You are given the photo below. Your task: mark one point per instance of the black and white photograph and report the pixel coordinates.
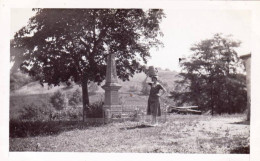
(167, 79)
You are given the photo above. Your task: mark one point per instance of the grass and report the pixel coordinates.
(180, 134)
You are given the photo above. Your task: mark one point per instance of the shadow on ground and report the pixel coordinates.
(37, 128)
(136, 127)
(241, 150)
(242, 123)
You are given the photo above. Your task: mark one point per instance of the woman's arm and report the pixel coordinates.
(163, 90)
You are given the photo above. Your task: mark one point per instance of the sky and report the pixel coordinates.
(182, 29)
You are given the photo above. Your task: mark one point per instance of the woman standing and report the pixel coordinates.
(153, 107)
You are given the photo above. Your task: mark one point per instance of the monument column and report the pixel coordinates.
(111, 87)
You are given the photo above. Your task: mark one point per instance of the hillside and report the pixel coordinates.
(136, 82)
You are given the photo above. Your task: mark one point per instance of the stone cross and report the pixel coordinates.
(111, 86)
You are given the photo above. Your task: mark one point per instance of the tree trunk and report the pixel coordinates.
(212, 104)
(85, 97)
(211, 97)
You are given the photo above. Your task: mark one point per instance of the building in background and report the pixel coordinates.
(247, 62)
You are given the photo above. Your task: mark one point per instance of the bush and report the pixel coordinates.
(95, 110)
(76, 98)
(67, 114)
(59, 100)
(33, 112)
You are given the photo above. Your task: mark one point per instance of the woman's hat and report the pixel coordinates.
(152, 71)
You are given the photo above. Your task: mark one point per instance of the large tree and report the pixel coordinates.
(60, 44)
(212, 77)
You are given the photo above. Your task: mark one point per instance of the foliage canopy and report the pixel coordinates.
(61, 43)
(212, 77)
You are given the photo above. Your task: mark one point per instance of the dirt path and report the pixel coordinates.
(181, 134)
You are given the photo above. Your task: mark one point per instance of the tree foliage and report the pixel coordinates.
(212, 77)
(60, 44)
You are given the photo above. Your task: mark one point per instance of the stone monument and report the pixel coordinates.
(111, 88)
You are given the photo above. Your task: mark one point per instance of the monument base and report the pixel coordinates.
(112, 111)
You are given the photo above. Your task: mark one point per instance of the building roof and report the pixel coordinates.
(245, 56)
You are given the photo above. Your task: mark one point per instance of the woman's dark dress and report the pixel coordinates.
(153, 101)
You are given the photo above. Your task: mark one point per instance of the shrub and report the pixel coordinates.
(76, 98)
(33, 112)
(59, 100)
(75, 113)
(67, 114)
(95, 110)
